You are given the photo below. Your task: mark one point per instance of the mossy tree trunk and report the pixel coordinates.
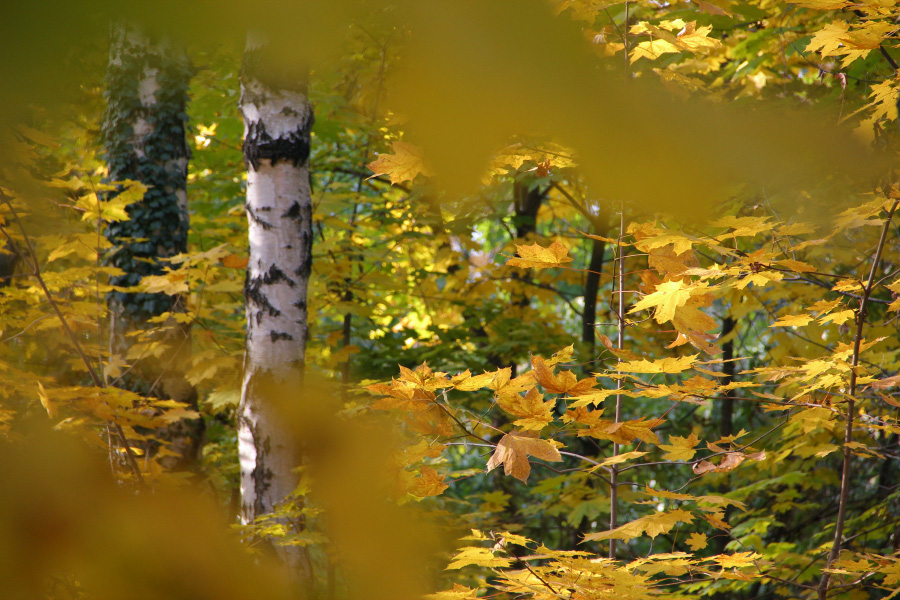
(144, 140)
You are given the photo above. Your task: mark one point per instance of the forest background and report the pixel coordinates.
(639, 254)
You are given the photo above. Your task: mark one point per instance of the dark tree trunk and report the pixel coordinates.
(144, 141)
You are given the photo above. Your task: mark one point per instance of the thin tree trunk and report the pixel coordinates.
(144, 140)
(527, 201)
(726, 417)
(277, 123)
(600, 227)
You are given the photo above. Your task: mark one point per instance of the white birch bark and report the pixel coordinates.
(277, 122)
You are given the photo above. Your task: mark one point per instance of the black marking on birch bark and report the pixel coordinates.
(301, 304)
(274, 275)
(256, 298)
(255, 218)
(292, 146)
(293, 212)
(260, 476)
(280, 335)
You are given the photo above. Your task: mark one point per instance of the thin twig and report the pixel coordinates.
(620, 344)
(95, 378)
(851, 406)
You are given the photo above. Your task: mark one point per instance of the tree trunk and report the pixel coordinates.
(277, 122)
(144, 140)
(599, 226)
(726, 417)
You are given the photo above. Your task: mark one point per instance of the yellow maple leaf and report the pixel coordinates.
(655, 493)
(482, 557)
(652, 525)
(564, 383)
(466, 382)
(424, 378)
(404, 164)
(695, 39)
(513, 450)
(829, 40)
(418, 451)
(619, 458)
(669, 295)
(652, 49)
(537, 257)
(171, 283)
(796, 265)
(649, 237)
(697, 541)
(624, 432)
(533, 412)
(744, 226)
(838, 317)
(680, 448)
(792, 321)
(113, 209)
(503, 385)
(564, 355)
(663, 365)
(429, 483)
(736, 560)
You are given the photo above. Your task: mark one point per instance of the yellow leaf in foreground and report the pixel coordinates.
(738, 559)
(619, 458)
(652, 525)
(513, 450)
(535, 256)
(697, 541)
(483, 557)
(680, 448)
(404, 164)
(532, 411)
(466, 382)
(792, 321)
(113, 209)
(669, 296)
(663, 365)
(171, 283)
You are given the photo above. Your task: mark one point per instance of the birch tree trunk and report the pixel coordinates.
(144, 130)
(277, 122)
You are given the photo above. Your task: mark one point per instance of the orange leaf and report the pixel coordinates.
(233, 261)
(564, 383)
(430, 483)
(513, 450)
